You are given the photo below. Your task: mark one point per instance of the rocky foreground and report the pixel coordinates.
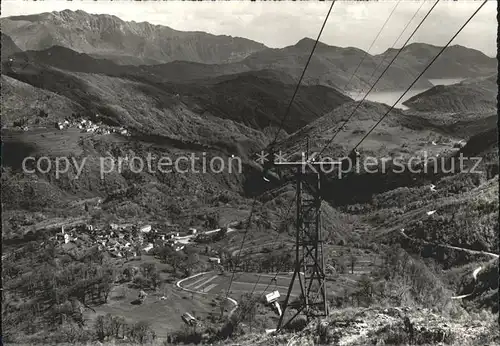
(389, 326)
(373, 326)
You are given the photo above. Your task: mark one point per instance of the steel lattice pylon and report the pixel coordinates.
(309, 261)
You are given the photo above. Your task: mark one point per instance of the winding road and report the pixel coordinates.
(178, 284)
(410, 215)
(186, 240)
(475, 252)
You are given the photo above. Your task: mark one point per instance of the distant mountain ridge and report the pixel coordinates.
(259, 99)
(455, 61)
(252, 91)
(476, 95)
(178, 56)
(109, 36)
(256, 99)
(335, 66)
(70, 60)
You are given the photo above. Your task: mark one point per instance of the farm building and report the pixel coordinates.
(188, 319)
(145, 229)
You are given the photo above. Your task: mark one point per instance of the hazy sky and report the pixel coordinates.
(279, 24)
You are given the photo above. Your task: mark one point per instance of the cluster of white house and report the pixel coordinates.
(120, 240)
(88, 126)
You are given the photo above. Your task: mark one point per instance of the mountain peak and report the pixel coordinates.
(107, 36)
(305, 40)
(421, 45)
(453, 52)
(308, 43)
(82, 15)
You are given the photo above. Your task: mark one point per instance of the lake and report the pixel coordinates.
(446, 81)
(389, 97)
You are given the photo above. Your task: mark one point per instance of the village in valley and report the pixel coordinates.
(129, 240)
(86, 125)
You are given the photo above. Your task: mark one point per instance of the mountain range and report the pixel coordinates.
(174, 53)
(60, 55)
(477, 94)
(126, 42)
(253, 98)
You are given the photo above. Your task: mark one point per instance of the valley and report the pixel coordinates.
(126, 255)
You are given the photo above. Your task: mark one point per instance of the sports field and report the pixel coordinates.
(213, 284)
